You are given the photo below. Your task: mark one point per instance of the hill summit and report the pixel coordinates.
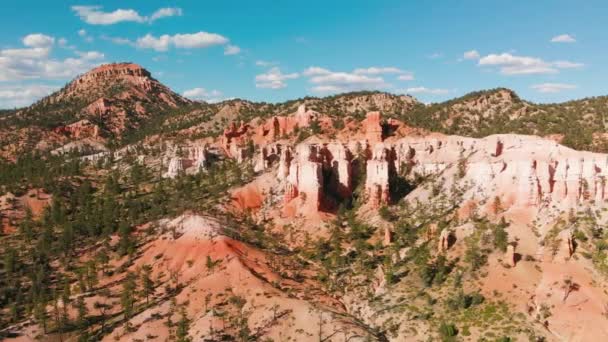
(117, 97)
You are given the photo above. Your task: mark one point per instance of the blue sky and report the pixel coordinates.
(547, 51)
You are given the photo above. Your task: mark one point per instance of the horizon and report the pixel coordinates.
(214, 52)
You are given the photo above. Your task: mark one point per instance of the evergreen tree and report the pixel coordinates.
(127, 299)
(147, 283)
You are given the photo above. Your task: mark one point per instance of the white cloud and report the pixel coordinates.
(436, 55)
(203, 94)
(36, 63)
(553, 87)
(425, 90)
(274, 79)
(521, 65)
(568, 65)
(31, 53)
(327, 81)
(378, 71)
(563, 38)
(182, 41)
(94, 15)
(20, 96)
(90, 55)
(150, 42)
(231, 50)
(198, 40)
(84, 35)
(62, 42)
(166, 12)
(408, 76)
(38, 40)
(264, 63)
(117, 40)
(313, 71)
(473, 54)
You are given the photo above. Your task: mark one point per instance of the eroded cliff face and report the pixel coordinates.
(526, 170)
(520, 170)
(190, 159)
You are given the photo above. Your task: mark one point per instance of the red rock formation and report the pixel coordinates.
(285, 162)
(510, 256)
(377, 179)
(444, 241)
(305, 178)
(339, 160)
(234, 139)
(373, 127)
(388, 237)
(176, 166)
(305, 117)
(80, 129)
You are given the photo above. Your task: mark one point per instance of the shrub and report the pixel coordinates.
(447, 331)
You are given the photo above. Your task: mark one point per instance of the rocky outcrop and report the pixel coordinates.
(377, 178)
(527, 170)
(388, 237)
(199, 156)
(305, 117)
(510, 256)
(79, 129)
(317, 173)
(305, 179)
(339, 159)
(444, 241)
(285, 162)
(189, 159)
(234, 141)
(176, 167)
(267, 156)
(373, 127)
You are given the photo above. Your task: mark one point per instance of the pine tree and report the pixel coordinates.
(82, 310)
(125, 244)
(147, 283)
(127, 299)
(183, 326)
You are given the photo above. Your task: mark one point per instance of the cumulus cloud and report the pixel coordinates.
(553, 87)
(378, 71)
(264, 63)
(203, 94)
(568, 65)
(520, 65)
(314, 71)
(181, 41)
(35, 62)
(425, 90)
(90, 55)
(408, 76)
(166, 12)
(274, 79)
(231, 50)
(473, 54)
(95, 15)
(20, 96)
(38, 40)
(328, 81)
(563, 38)
(84, 35)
